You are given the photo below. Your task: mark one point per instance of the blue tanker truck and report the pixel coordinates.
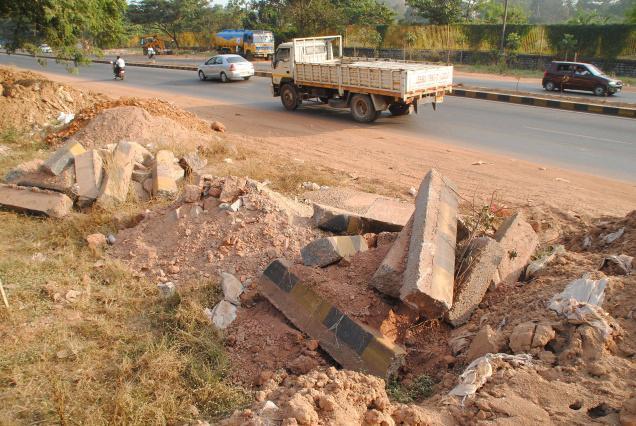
(248, 43)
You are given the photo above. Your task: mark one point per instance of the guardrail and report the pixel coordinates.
(617, 111)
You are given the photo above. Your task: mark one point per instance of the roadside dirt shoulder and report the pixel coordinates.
(391, 160)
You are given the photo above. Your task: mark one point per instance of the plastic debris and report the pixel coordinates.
(478, 372)
(617, 265)
(610, 238)
(543, 261)
(65, 117)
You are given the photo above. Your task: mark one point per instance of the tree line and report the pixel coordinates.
(75, 28)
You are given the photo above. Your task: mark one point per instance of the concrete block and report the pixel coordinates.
(353, 345)
(232, 288)
(63, 182)
(475, 273)
(430, 267)
(222, 315)
(36, 201)
(118, 174)
(233, 187)
(389, 211)
(164, 183)
(191, 193)
(63, 157)
(141, 173)
(389, 276)
(344, 222)
(89, 174)
(325, 251)
(138, 192)
(486, 341)
(142, 155)
(519, 241)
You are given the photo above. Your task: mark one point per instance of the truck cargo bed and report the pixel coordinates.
(393, 78)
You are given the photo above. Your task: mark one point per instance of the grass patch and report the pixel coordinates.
(420, 389)
(117, 354)
(499, 70)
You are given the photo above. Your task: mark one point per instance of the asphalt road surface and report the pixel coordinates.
(590, 143)
(491, 83)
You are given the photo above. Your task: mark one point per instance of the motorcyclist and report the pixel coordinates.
(119, 65)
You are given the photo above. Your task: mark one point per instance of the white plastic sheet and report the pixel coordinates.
(65, 117)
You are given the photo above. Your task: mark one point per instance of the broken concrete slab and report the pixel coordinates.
(475, 272)
(222, 315)
(118, 174)
(142, 155)
(232, 288)
(164, 183)
(63, 157)
(138, 193)
(529, 336)
(617, 265)
(233, 187)
(389, 276)
(388, 210)
(343, 222)
(191, 193)
(141, 173)
(63, 182)
(430, 267)
(36, 201)
(353, 345)
(325, 251)
(519, 241)
(192, 162)
(89, 174)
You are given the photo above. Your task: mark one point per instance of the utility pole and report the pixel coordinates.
(503, 30)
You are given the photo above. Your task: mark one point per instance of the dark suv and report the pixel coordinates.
(579, 76)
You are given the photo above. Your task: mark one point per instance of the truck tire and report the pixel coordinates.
(399, 109)
(362, 108)
(289, 97)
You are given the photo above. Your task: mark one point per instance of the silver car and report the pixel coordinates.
(226, 68)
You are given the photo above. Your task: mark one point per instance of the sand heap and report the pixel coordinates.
(30, 102)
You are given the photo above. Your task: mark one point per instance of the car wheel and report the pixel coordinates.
(599, 91)
(289, 97)
(323, 99)
(549, 86)
(362, 109)
(246, 78)
(202, 76)
(224, 78)
(399, 109)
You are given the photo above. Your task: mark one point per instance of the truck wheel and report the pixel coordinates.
(289, 97)
(362, 109)
(399, 109)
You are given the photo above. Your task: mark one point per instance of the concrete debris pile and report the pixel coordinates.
(107, 177)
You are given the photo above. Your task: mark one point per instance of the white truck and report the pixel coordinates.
(307, 69)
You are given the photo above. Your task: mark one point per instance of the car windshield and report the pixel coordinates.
(235, 59)
(595, 70)
(263, 38)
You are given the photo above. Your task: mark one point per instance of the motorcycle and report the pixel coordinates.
(120, 74)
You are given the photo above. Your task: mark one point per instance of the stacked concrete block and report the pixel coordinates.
(118, 174)
(88, 172)
(518, 241)
(480, 262)
(430, 267)
(35, 201)
(164, 183)
(63, 157)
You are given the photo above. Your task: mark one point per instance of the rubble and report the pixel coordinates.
(191, 193)
(36, 201)
(96, 242)
(117, 177)
(232, 288)
(222, 315)
(529, 336)
(486, 341)
(167, 289)
(164, 183)
(63, 157)
(32, 174)
(388, 277)
(617, 265)
(343, 222)
(430, 266)
(519, 241)
(88, 172)
(325, 251)
(350, 343)
(537, 265)
(232, 188)
(475, 273)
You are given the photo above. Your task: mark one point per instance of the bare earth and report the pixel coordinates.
(400, 160)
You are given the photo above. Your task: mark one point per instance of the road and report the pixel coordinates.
(595, 144)
(508, 83)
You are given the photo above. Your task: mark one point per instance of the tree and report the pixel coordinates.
(630, 16)
(72, 28)
(568, 43)
(170, 17)
(438, 12)
(588, 18)
(492, 12)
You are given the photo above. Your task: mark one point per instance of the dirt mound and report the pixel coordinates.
(137, 124)
(330, 397)
(30, 102)
(155, 107)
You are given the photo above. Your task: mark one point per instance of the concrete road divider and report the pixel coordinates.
(353, 345)
(618, 111)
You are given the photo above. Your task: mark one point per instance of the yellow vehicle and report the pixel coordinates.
(156, 43)
(247, 43)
